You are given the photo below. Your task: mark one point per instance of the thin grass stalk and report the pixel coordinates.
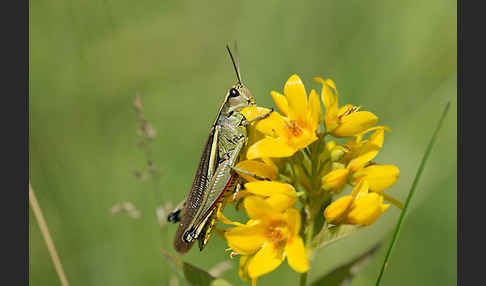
(47, 237)
(411, 193)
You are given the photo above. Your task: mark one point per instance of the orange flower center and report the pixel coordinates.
(293, 129)
(278, 233)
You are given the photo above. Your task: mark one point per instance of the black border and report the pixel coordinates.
(26, 124)
(14, 115)
(15, 47)
(471, 120)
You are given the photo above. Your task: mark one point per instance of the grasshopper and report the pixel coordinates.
(215, 176)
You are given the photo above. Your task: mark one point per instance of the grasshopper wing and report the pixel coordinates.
(197, 193)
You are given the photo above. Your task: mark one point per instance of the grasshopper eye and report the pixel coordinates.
(233, 92)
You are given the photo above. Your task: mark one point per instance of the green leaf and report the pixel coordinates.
(411, 193)
(345, 273)
(330, 234)
(193, 275)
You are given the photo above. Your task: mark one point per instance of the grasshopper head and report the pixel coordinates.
(238, 97)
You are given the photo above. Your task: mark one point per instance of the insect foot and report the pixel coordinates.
(174, 216)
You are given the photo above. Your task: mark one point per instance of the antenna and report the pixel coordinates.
(236, 64)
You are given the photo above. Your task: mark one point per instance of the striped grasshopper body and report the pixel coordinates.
(215, 177)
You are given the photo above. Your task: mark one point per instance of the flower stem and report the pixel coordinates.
(303, 279)
(310, 207)
(309, 229)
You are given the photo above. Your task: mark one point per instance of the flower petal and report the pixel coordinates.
(329, 97)
(366, 209)
(335, 179)
(274, 125)
(296, 95)
(379, 177)
(329, 93)
(280, 202)
(269, 188)
(360, 189)
(294, 220)
(271, 162)
(257, 208)
(243, 267)
(354, 123)
(252, 112)
(315, 110)
(368, 150)
(222, 218)
(246, 240)
(296, 254)
(280, 196)
(270, 147)
(373, 128)
(265, 260)
(281, 102)
(258, 168)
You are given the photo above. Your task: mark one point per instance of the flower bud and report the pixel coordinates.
(366, 209)
(337, 153)
(335, 179)
(336, 211)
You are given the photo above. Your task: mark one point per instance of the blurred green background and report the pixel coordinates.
(88, 59)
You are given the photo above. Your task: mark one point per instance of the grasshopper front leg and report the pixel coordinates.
(250, 174)
(258, 118)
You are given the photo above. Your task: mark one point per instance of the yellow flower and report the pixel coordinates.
(346, 121)
(267, 238)
(287, 134)
(359, 153)
(359, 208)
(363, 151)
(380, 177)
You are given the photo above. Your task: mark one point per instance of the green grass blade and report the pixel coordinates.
(411, 193)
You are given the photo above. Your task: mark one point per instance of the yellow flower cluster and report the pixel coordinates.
(293, 151)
